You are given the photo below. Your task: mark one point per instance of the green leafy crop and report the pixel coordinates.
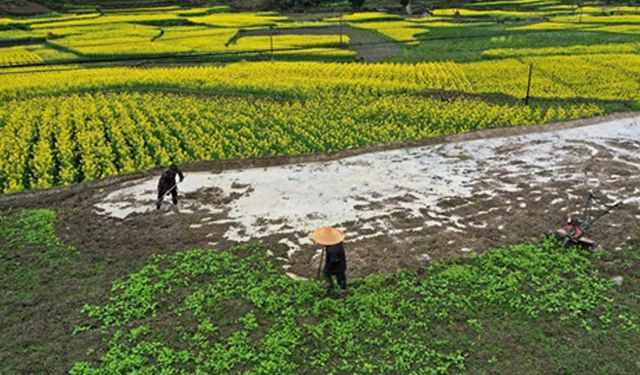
(30, 228)
(213, 312)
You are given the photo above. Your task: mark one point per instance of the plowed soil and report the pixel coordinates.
(401, 205)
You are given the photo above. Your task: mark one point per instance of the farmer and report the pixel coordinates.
(168, 184)
(335, 261)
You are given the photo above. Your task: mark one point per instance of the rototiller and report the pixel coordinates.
(574, 231)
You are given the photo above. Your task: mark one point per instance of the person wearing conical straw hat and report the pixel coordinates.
(335, 261)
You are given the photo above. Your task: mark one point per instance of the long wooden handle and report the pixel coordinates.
(169, 191)
(320, 265)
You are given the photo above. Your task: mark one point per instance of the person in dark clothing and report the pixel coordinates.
(335, 264)
(168, 184)
(335, 261)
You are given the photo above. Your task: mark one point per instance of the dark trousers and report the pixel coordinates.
(162, 192)
(340, 276)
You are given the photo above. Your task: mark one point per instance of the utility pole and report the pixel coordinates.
(271, 40)
(579, 6)
(341, 21)
(526, 100)
(580, 19)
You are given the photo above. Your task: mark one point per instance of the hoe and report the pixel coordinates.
(573, 233)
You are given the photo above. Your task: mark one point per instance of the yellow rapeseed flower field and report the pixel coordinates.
(98, 125)
(18, 55)
(72, 124)
(397, 30)
(82, 137)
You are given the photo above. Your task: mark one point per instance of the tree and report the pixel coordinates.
(406, 4)
(357, 4)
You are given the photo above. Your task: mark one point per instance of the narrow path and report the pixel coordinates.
(369, 45)
(22, 42)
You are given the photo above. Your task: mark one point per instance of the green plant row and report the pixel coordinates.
(211, 312)
(68, 139)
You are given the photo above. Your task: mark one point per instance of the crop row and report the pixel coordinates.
(80, 135)
(597, 77)
(17, 55)
(68, 139)
(172, 31)
(475, 42)
(126, 39)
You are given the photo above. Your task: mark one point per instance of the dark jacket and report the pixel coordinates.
(168, 178)
(335, 260)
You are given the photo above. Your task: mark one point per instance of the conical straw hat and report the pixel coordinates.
(327, 236)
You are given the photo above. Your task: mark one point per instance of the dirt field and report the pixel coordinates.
(401, 205)
(23, 8)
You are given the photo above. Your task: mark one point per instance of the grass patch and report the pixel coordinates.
(477, 42)
(43, 284)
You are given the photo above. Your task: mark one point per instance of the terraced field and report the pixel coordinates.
(170, 31)
(442, 36)
(435, 212)
(419, 135)
(283, 111)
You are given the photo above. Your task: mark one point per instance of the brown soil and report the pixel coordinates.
(503, 219)
(23, 8)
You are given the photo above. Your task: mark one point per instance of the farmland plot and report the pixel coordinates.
(442, 188)
(296, 103)
(447, 196)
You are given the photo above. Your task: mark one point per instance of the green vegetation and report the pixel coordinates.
(548, 43)
(235, 311)
(208, 312)
(524, 309)
(30, 229)
(43, 284)
(132, 132)
(583, 66)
